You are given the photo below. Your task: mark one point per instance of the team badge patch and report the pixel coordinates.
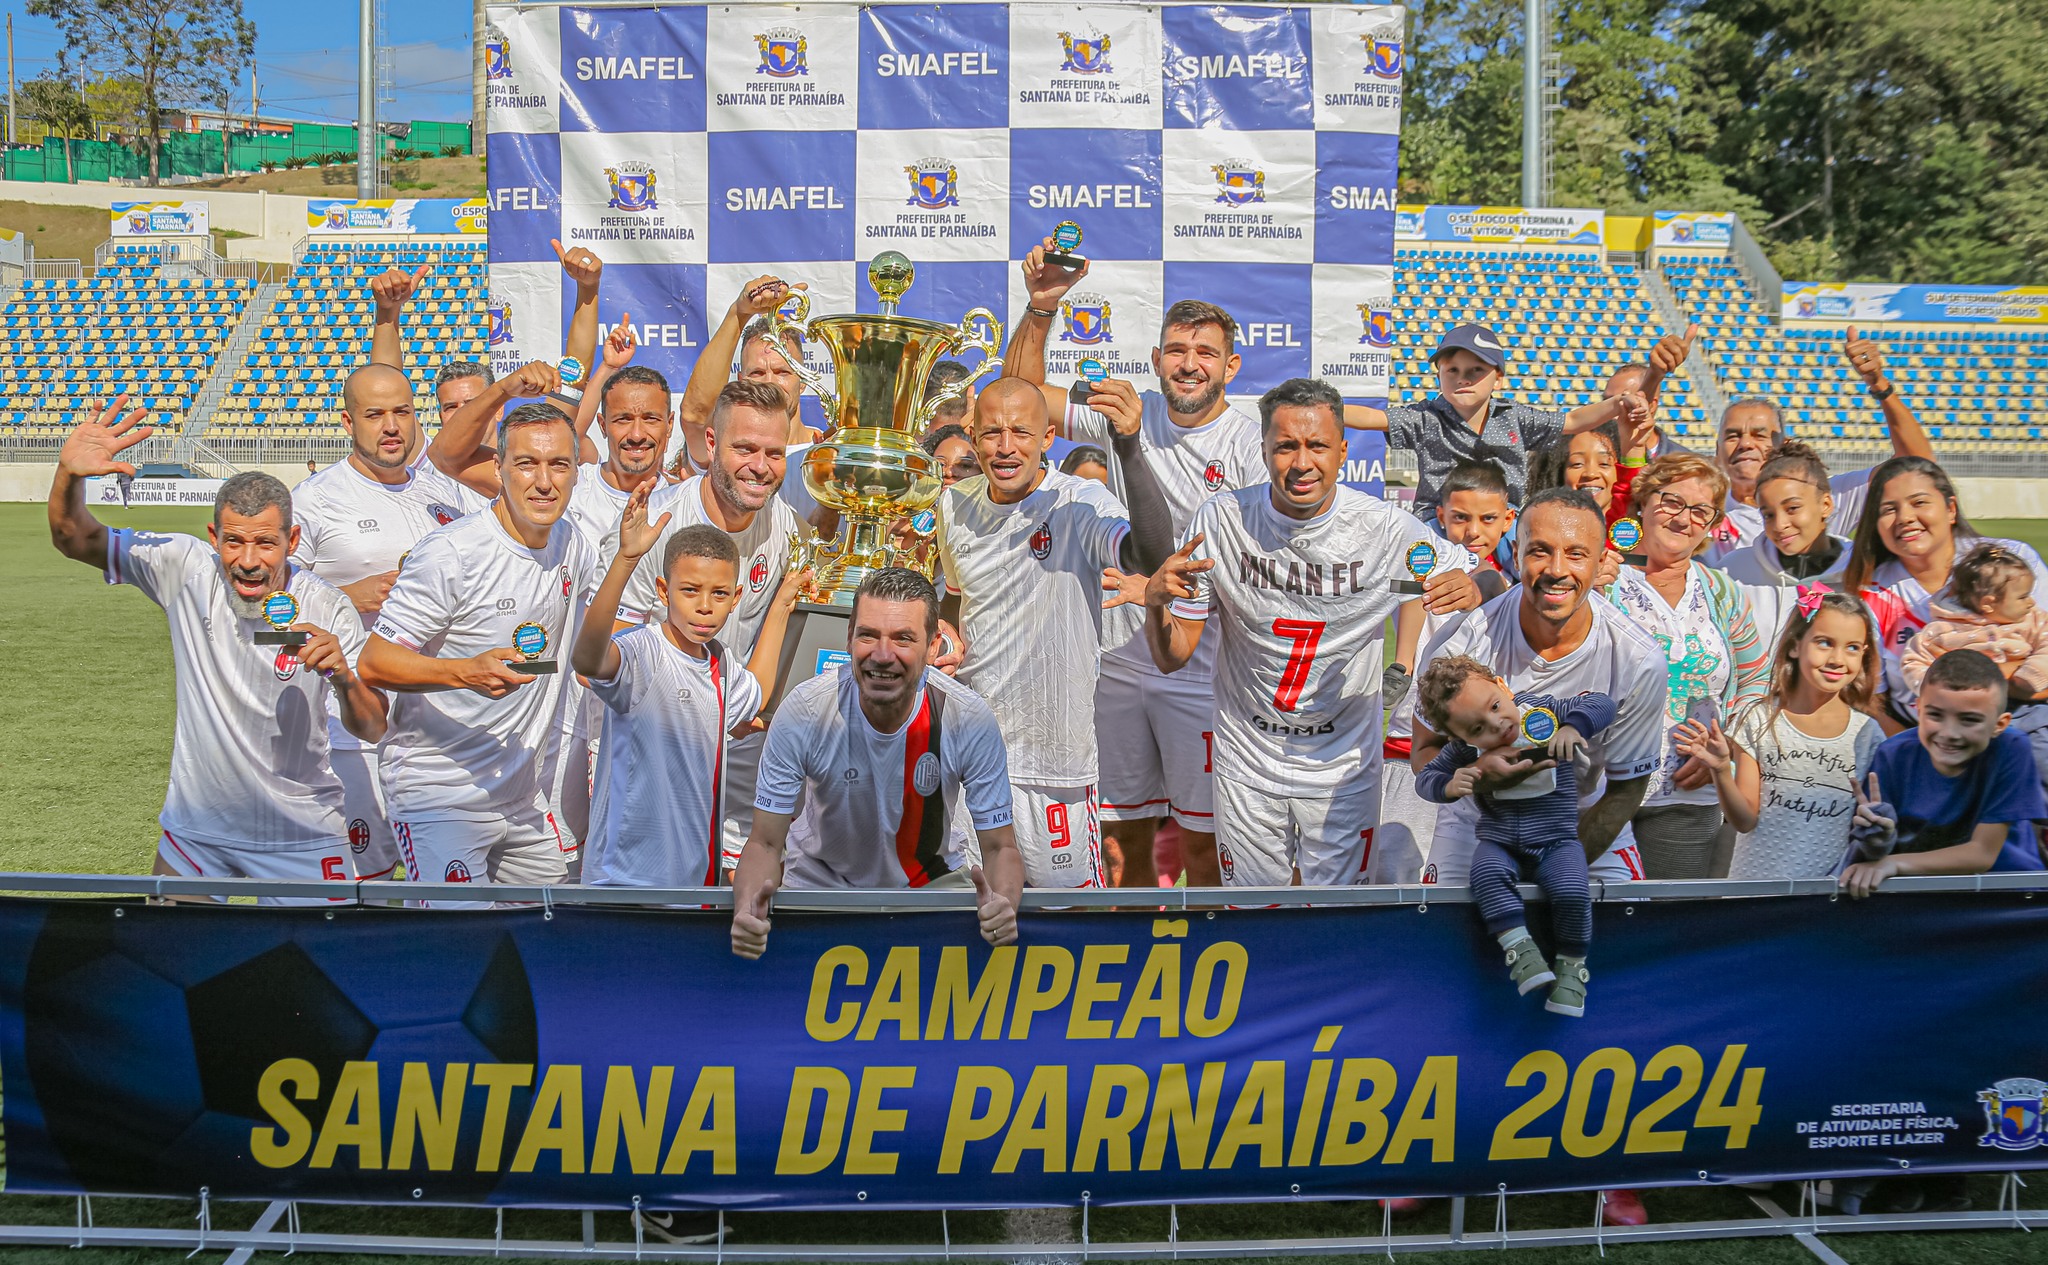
(757, 575)
(358, 835)
(925, 776)
(1041, 541)
(1212, 475)
(457, 872)
(287, 665)
(565, 581)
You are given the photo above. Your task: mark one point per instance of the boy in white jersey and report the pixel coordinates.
(748, 439)
(1024, 549)
(671, 693)
(1551, 635)
(1153, 729)
(251, 794)
(877, 756)
(357, 520)
(1300, 575)
(475, 741)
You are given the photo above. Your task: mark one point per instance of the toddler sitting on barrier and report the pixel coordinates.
(1531, 826)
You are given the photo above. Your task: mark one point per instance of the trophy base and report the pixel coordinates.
(814, 643)
(534, 667)
(1405, 586)
(272, 637)
(1635, 559)
(1061, 259)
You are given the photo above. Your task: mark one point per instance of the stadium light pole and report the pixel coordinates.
(366, 104)
(1533, 41)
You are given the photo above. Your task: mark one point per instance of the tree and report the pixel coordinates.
(52, 100)
(180, 52)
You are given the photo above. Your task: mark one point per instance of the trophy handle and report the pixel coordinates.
(979, 331)
(783, 326)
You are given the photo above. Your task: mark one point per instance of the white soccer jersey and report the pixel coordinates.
(249, 762)
(594, 509)
(877, 808)
(352, 527)
(764, 556)
(1617, 659)
(463, 591)
(655, 820)
(1029, 577)
(1302, 604)
(1190, 464)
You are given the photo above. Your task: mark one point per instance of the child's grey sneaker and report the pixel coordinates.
(1568, 996)
(1526, 966)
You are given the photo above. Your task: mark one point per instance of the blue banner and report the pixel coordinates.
(881, 1061)
(1854, 301)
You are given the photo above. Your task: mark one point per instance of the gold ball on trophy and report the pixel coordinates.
(891, 274)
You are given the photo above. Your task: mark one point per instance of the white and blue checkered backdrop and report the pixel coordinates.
(1243, 154)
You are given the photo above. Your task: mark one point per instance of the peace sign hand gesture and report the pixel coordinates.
(1874, 831)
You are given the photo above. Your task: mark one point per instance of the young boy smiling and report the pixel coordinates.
(1958, 795)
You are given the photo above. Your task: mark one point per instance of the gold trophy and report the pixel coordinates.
(868, 466)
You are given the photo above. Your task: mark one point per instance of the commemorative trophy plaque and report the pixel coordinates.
(1066, 243)
(869, 466)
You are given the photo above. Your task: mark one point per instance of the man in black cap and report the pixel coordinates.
(1466, 422)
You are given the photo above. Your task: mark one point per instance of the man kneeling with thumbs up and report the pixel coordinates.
(864, 768)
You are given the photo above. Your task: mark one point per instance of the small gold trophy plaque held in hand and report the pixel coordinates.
(280, 611)
(1420, 561)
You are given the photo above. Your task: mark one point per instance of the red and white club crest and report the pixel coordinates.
(1212, 475)
(1227, 862)
(565, 581)
(442, 514)
(1041, 541)
(287, 664)
(358, 835)
(757, 575)
(457, 873)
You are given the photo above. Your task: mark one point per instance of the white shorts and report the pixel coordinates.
(1407, 825)
(1262, 839)
(1059, 833)
(373, 850)
(742, 771)
(1449, 858)
(1152, 737)
(526, 848)
(327, 861)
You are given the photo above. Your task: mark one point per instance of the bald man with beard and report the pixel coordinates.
(357, 520)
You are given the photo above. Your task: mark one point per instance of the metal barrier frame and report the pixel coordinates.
(1804, 1226)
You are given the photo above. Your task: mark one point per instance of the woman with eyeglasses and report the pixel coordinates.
(1716, 662)
(1907, 541)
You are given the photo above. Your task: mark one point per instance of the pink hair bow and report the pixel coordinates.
(1809, 598)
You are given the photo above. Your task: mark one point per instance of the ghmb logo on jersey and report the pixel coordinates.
(1086, 54)
(1239, 183)
(1086, 317)
(934, 184)
(784, 53)
(1379, 326)
(1383, 56)
(497, 54)
(499, 314)
(632, 187)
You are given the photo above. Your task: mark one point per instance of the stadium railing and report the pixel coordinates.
(1805, 1224)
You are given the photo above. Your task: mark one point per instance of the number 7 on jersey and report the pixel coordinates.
(1306, 634)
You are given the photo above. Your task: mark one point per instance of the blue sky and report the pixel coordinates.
(306, 69)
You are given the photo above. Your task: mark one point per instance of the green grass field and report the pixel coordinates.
(83, 759)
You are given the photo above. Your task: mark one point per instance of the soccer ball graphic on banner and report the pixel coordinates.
(170, 1090)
